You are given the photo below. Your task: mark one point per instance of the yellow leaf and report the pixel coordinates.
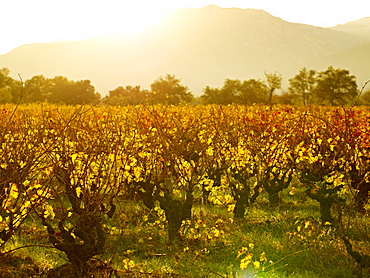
(209, 151)
(14, 191)
(246, 261)
(78, 191)
(49, 211)
(293, 191)
(306, 224)
(215, 232)
(74, 156)
(230, 208)
(26, 183)
(256, 264)
(219, 221)
(263, 257)
(111, 157)
(137, 172)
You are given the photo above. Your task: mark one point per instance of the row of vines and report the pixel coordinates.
(71, 168)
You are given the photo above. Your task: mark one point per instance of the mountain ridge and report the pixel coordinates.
(202, 47)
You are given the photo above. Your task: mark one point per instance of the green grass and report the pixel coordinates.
(292, 238)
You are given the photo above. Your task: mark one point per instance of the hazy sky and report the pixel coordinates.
(29, 21)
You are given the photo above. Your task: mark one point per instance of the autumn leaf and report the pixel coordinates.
(246, 261)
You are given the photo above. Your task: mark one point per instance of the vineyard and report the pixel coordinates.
(184, 191)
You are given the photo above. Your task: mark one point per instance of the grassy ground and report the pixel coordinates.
(285, 242)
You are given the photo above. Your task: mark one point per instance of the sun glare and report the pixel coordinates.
(49, 21)
(130, 18)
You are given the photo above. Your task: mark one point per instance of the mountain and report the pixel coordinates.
(202, 47)
(359, 27)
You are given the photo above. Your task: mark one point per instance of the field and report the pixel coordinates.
(184, 191)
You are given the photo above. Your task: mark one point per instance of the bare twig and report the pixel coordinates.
(26, 246)
(359, 95)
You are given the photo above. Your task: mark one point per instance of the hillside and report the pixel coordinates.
(359, 27)
(201, 46)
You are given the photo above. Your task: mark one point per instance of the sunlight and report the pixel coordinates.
(76, 20)
(131, 17)
(114, 17)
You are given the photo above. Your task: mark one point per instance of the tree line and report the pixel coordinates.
(308, 87)
(39, 89)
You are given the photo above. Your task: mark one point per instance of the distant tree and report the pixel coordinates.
(335, 87)
(365, 98)
(210, 95)
(273, 83)
(227, 94)
(126, 96)
(229, 91)
(285, 98)
(302, 85)
(169, 90)
(252, 91)
(65, 91)
(234, 91)
(7, 86)
(60, 86)
(37, 88)
(82, 92)
(5, 95)
(17, 92)
(5, 79)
